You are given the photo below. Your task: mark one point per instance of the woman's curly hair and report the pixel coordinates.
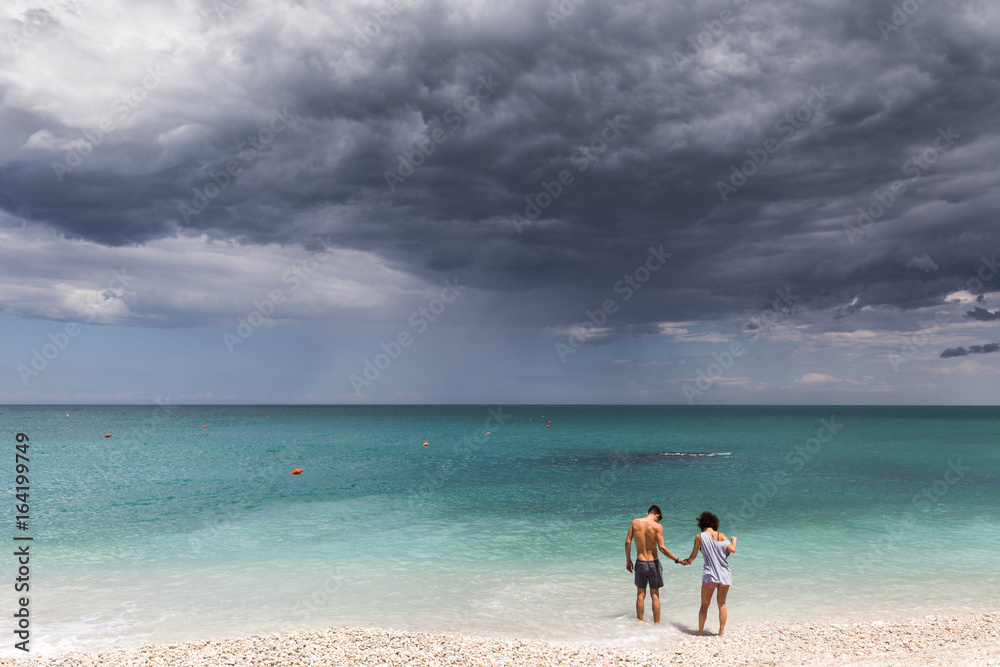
(708, 520)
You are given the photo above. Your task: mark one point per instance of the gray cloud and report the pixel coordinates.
(922, 263)
(972, 349)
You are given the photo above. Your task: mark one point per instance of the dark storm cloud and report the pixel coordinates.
(646, 125)
(972, 349)
(983, 315)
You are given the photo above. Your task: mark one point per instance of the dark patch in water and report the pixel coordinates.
(604, 458)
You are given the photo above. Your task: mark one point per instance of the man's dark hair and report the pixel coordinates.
(708, 520)
(655, 509)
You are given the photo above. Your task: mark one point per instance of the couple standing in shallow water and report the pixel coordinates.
(714, 547)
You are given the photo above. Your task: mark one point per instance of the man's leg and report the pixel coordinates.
(640, 602)
(706, 600)
(655, 592)
(723, 592)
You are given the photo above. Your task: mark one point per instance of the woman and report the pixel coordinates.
(716, 575)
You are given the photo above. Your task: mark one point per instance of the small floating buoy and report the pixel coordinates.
(548, 425)
(488, 433)
(205, 426)
(107, 435)
(297, 471)
(426, 443)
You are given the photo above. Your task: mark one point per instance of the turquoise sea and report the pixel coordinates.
(169, 530)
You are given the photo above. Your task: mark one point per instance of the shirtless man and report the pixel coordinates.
(648, 534)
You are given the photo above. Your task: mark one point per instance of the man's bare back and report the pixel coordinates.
(647, 535)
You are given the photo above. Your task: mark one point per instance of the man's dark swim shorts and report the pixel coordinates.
(648, 572)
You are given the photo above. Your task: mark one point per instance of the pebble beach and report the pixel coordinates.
(970, 639)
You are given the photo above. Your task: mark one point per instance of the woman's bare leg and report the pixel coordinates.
(706, 601)
(723, 614)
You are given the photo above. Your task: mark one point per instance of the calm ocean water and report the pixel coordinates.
(171, 531)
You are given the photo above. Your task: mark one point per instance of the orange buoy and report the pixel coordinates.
(426, 443)
(205, 426)
(488, 433)
(297, 471)
(548, 425)
(107, 435)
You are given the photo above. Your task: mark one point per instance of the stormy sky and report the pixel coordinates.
(537, 201)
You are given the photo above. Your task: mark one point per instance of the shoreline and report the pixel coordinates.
(968, 639)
